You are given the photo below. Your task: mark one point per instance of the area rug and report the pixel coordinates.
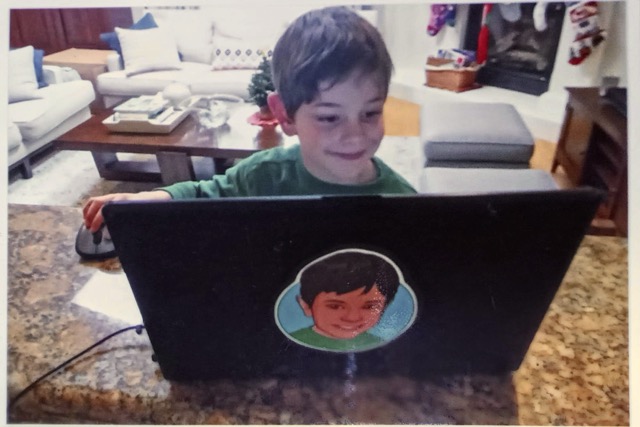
(65, 178)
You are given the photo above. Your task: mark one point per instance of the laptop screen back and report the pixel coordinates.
(409, 285)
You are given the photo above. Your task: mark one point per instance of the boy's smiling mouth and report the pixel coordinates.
(348, 156)
(349, 328)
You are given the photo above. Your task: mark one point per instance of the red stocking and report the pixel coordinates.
(588, 34)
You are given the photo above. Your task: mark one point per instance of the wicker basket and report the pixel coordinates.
(456, 80)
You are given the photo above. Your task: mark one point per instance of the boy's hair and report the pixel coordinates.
(347, 271)
(326, 45)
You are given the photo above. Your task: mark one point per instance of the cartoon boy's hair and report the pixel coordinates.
(326, 45)
(347, 271)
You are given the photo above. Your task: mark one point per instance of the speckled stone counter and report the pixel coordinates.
(575, 373)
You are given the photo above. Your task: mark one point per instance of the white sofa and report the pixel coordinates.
(211, 43)
(50, 111)
(115, 86)
(197, 35)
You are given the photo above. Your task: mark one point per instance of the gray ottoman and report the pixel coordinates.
(436, 180)
(474, 134)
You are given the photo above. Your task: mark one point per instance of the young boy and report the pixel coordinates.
(346, 294)
(331, 71)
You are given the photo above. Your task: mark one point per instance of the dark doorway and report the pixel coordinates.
(520, 56)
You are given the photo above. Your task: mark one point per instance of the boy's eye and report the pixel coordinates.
(372, 306)
(334, 305)
(327, 119)
(373, 114)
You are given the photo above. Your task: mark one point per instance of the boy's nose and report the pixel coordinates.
(354, 130)
(352, 315)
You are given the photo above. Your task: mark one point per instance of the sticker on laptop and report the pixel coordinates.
(349, 300)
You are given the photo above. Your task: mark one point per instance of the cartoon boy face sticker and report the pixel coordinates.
(345, 316)
(339, 302)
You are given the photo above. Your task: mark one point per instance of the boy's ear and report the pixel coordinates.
(277, 108)
(305, 307)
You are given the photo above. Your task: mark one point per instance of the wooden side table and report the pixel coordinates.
(592, 150)
(89, 63)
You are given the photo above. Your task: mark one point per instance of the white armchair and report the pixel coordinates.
(37, 116)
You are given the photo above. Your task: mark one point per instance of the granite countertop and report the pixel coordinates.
(575, 373)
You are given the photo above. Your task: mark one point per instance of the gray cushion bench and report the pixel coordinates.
(436, 180)
(474, 134)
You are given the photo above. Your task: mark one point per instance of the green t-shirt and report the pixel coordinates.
(280, 172)
(361, 342)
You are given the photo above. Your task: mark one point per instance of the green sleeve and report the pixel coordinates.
(232, 184)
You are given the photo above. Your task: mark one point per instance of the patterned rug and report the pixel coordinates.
(68, 178)
(65, 178)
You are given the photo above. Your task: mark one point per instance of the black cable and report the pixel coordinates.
(138, 329)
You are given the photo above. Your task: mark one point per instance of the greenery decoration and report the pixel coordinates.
(261, 84)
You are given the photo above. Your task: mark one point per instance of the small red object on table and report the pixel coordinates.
(258, 119)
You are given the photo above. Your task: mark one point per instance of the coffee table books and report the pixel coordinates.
(163, 123)
(141, 107)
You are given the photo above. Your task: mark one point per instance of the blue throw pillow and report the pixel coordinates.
(38, 54)
(144, 23)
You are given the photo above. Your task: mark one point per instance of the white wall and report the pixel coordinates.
(404, 28)
(614, 61)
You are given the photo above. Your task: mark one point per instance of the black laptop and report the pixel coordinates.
(308, 286)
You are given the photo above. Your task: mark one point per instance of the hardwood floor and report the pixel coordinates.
(401, 118)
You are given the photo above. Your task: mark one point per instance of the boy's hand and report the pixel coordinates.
(92, 210)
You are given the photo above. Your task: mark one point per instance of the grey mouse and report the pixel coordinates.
(94, 246)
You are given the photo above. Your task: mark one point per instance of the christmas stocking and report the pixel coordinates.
(438, 18)
(539, 16)
(510, 11)
(587, 31)
(450, 16)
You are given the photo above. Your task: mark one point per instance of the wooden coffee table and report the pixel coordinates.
(173, 152)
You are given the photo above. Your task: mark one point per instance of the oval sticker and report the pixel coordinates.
(349, 300)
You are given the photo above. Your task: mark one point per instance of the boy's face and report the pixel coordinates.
(347, 315)
(341, 129)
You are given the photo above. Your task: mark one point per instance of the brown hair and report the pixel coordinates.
(347, 271)
(326, 45)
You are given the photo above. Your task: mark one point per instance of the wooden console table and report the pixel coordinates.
(592, 150)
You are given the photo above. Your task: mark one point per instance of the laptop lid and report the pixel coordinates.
(309, 286)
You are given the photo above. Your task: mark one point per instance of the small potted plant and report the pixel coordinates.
(260, 87)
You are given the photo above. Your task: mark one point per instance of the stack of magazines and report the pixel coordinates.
(145, 114)
(146, 107)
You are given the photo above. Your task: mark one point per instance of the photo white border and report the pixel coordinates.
(633, 67)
